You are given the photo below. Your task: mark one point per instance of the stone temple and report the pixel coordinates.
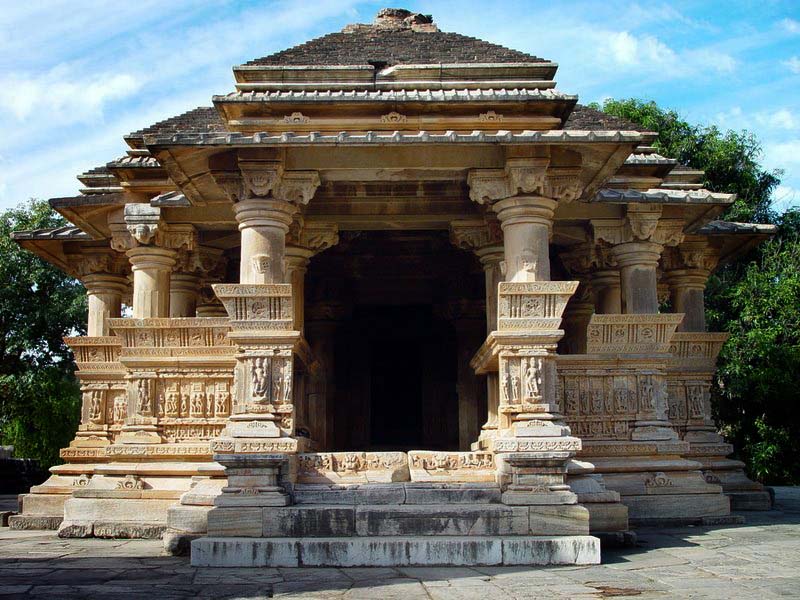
(393, 300)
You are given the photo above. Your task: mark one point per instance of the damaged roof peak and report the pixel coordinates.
(396, 19)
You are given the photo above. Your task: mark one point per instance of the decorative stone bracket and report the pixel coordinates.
(530, 176)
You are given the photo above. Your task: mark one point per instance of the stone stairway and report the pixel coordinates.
(395, 525)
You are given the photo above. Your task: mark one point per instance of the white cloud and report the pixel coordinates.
(783, 154)
(790, 25)
(793, 64)
(60, 95)
(782, 118)
(785, 197)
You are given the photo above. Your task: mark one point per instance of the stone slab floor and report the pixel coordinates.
(760, 559)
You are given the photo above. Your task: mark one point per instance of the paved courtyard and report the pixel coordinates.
(760, 559)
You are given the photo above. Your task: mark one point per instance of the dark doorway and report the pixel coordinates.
(388, 302)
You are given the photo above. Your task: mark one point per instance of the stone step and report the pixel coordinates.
(382, 521)
(395, 551)
(396, 493)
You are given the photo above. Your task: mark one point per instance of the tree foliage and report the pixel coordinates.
(39, 304)
(756, 298)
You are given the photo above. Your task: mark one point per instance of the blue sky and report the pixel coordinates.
(75, 76)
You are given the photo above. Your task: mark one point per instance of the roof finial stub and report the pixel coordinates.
(397, 19)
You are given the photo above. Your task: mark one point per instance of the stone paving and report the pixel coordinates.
(760, 559)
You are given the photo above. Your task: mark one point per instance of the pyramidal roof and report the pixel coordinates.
(396, 37)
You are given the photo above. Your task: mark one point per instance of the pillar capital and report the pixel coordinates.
(266, 178)
(686, 270)
(642, 223)
(143, 227)
(525, 176)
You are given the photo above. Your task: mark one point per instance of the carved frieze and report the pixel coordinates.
(248, 305)
(452, 466)
(533, 305)
(352, 467)
(631, 334)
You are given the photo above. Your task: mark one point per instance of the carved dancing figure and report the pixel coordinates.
(197, 405)
(514, 387)
(96, 406)
(504, 388)
(695, 401)
(287, 381)
(260, 379)
(172, 403)
(120, 410)
(185, 405)
(143, 395)
(646, 394)
(277, 382)
(532, 378)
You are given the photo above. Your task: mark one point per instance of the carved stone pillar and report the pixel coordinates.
(533, 445)
(151, 246)
(305, 240)
(636, 245)
(484, 237)
(266, 200)
(193, 269)
(183, 292)
(104, 274)
(607, 292)
(686, 271)
(260, 308)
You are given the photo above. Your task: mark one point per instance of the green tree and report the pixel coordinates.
(755, 298)
(39, 396)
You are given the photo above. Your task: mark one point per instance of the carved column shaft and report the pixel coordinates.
(263, 224)
(638, 263)
(526, 223)
(490, 258)
(152, 268)
(104, 294)
(183, 292)
(687, 293)
(607, 292)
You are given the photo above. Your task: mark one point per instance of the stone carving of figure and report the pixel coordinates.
(514, 386)
(197, 404)
(621, 400)
(120, 410)
(277, 381)
(143, 397)
(211, 404)
(646, 394)
(597, 401)
(695, 401)
(160, 405)
(287, 381)
(533, 378)
(571, 397)
(505, 387)
(172, 403)
(185, 405)
(96, 406)
(260, 377)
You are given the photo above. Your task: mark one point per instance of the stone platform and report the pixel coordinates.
(395, 551)
(756, 560)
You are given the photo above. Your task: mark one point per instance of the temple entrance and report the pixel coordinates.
(385, 313)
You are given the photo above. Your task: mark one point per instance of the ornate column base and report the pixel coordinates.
(253, 480)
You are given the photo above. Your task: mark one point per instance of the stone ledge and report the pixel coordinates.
(20, 522)
(395, 552)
